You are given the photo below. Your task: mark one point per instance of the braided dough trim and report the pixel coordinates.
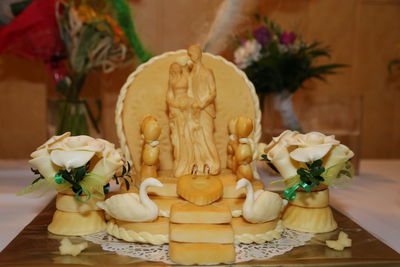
(132, 236)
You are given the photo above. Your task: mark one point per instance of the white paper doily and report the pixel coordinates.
(244, 252)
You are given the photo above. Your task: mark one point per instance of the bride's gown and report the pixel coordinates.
(181, 125)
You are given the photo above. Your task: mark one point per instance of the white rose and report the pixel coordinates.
(247, 53)
(338, 154)
(278, 153)
(312, 146)
(74, 151)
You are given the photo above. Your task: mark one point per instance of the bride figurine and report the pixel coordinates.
(190, 97)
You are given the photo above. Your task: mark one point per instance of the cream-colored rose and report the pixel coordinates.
(278, 153)
(74, 151)
(110, 162)
(54, 139)
(285, 137)
(41, 160)
(338, 154)
(41, 157)
(312, 146)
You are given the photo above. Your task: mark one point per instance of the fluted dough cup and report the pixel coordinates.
(310, 212)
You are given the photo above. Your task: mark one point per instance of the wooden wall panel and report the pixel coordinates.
(362, 33)
(23, 121)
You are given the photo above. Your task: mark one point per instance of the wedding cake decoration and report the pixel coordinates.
(309, 163)
(192, 140)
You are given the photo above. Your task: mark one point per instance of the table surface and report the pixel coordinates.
(372, 201)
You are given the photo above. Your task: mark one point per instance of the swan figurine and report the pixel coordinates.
(132, 207)
(260, 206)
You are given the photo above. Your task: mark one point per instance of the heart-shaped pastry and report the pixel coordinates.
(199, 189)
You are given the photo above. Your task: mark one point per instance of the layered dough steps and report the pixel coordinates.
(185, 212)
(201, 253)
(201, 233)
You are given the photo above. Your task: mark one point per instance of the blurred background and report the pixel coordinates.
(360, 103)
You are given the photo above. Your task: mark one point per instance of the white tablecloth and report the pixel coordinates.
(373, 201)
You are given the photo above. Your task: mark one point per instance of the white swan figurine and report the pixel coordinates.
(260, 206)
(132, 207)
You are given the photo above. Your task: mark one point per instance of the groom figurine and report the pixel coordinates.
(203, 91)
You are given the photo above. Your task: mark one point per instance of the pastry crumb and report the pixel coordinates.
(67, 248)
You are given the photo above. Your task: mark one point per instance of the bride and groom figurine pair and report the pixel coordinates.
(191, 109)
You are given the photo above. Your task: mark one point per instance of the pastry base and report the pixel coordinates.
(312, 220)
(259, 233)
(68, 203)
(76, 224)
(155, 233)
(164, 204)
(234, 204)
(158, 227)
(201, 253)
(317, 199)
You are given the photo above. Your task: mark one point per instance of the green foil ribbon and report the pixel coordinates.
(290, 193)
(59, 179)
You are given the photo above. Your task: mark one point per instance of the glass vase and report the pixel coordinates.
(73, 116)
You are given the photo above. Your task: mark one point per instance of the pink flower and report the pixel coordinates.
(288, 38)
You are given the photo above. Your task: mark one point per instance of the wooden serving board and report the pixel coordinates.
(35, 246)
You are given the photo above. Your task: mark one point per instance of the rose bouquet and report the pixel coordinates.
(79, 168)
(279, 62)
(309, 163)
(80, 163)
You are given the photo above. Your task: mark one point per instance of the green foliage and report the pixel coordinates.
(74, 176)
(277, 71)
(126, 173)
(272, 166)
(312, 174)
(36, 172)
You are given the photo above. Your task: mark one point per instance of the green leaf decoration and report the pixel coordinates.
(264, 157)
(312, 174)
(127, 184)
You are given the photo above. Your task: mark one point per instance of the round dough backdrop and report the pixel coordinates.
(145, 93)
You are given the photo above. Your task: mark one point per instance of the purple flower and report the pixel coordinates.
(262, 35)
(288, 38)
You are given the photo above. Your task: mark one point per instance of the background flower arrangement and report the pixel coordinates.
(278, 62)
(73, 37)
